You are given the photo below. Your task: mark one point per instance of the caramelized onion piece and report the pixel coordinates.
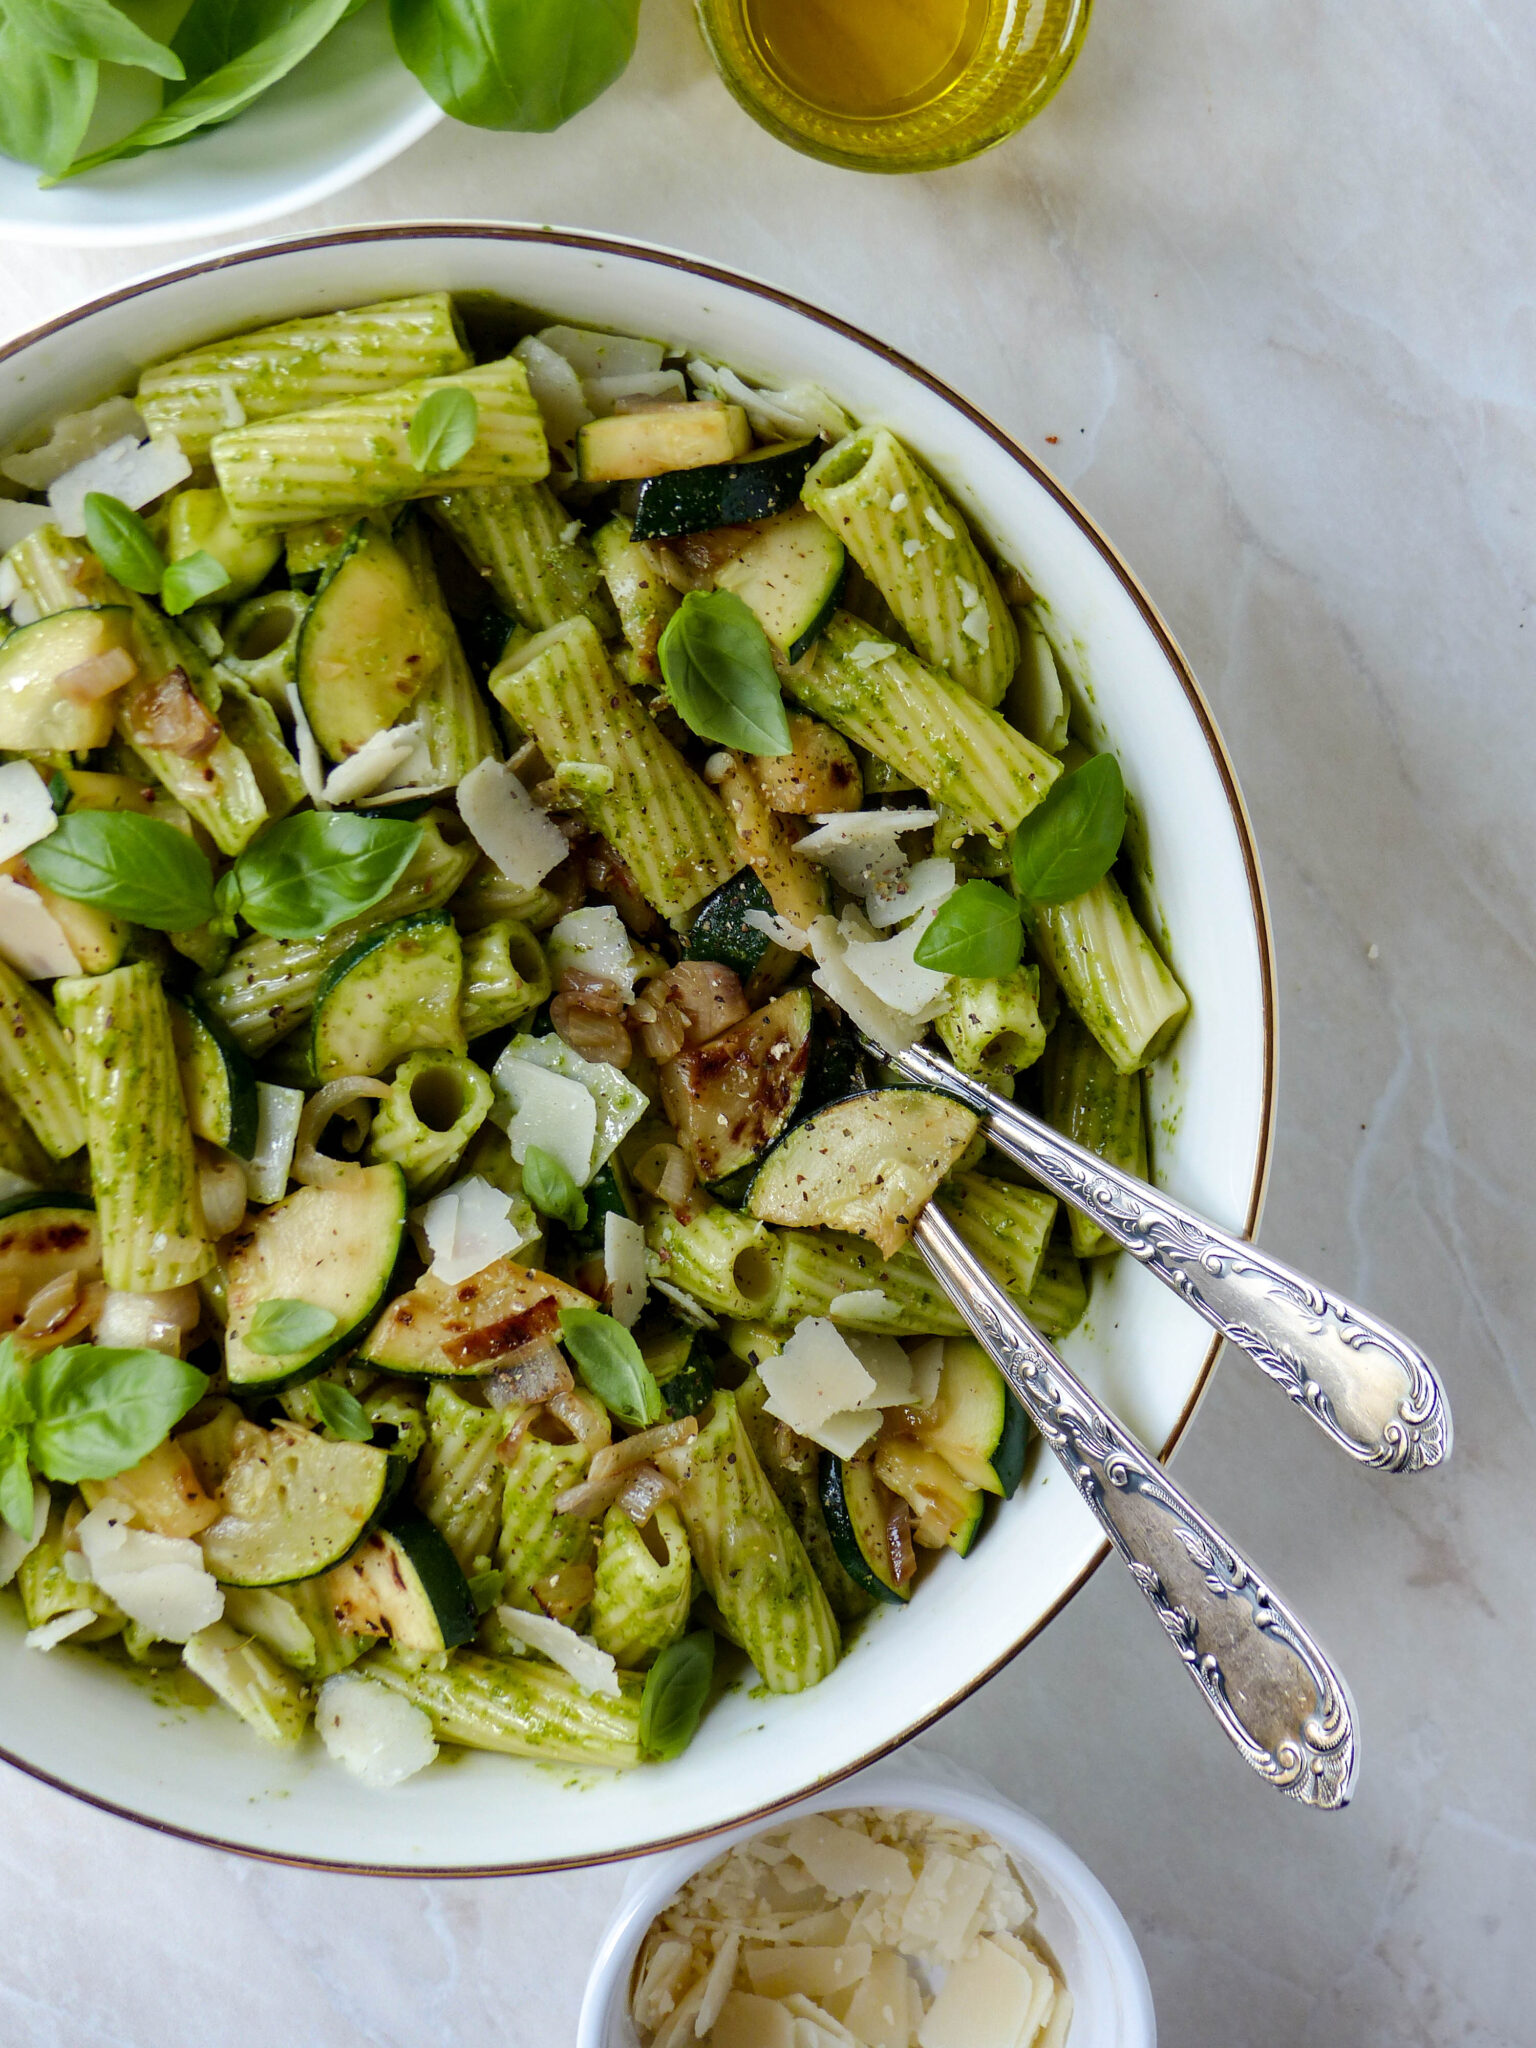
(564, 1593)
(98, 676)
(533, 1375)
(595, 1034)
(666, 1172)
(312, 1167)
(585, 1417)
(221, 1189)
(639, 1449)
(710, 997)
(644, 1493)
(168, 714)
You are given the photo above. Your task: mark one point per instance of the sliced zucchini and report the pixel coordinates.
(789, 574)
(396, 991)
(333, 1247)
(43, 1237)
(625, 446)
(405, 1584)
(294, 1505)
(461, 1331)
(799, 888)
(734, 1096)
(367, 645)
(728, 493)
(217, 1079)
(857, 1509)
(35, 716)
(946, 1513)
(976, 1423)
(680, 1365)
(867, 1164)
(820, 773)
(720, 932)
(607, 1195)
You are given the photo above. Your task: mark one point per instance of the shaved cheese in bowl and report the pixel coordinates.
(594, 941)
(472, 1224)
(507, 825)
(134, 472)
(31, 938)
(371, 1731)
(158, 1581)
(624, 1263)
(578, 1656)
(859, 846)
(923, 886)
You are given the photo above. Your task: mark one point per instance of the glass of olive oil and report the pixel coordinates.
(893, 85)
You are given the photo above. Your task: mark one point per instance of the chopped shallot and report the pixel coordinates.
(534, 1378)
(313, 1167)
(585, 1418)
(98, 676)
(666, 1172)
(644, 1494)
(710, 997)
(636, 1450)
(168, 714)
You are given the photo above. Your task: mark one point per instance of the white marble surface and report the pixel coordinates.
(1258, 288)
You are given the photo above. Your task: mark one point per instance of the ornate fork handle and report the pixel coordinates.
(1283, 1706)
(1372, 1391)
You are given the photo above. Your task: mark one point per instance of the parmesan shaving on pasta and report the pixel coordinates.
(877, 1928)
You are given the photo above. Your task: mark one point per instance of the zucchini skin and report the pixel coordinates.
(723, 493)
(841, 1507)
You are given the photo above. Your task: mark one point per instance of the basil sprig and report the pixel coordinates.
(549, 1185)
(84, 1412)
(341, 1412)
(298, 880)
(281, 1327)
(976, 933)
(609, 1362)
(191, 578)
(525, 64)
(718, 669)
(1069, 841)
(443, 429)
(123, 543)
(676, 1690)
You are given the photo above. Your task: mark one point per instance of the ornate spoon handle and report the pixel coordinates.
(1283, 1706)
(1372, 1391)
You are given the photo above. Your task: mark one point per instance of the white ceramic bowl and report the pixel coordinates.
(338, 116)
(1078, 1920)
(80, 1723)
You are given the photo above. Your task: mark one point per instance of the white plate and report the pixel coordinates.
(338, 116)
(82, 1724)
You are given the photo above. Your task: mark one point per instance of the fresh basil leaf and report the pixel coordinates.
(212, 33)
(281, 1327)
(485, 1589)
(340, 1411)
(16, 1410)
(676, 1690)
(46, 102)
(719, 673)
(1069, 841)
(16, 1503)
(91, 28)
(190, 579)
(443, 429)
(524, 64)
(548, 1184)
(303, 876)
(609, 1362)
(231, 88)
(977, 933)
(123, 542)
(134, 867)
(100, 1411)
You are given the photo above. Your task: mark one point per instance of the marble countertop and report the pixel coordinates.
(1258, 289)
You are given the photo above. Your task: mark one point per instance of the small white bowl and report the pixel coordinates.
(1078, 1920)
(341, 114)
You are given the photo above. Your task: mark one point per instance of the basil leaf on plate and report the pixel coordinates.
(134, 867)
(977, 933)
(524, 64)
(16, 1504)
(609, 1363)
(94, 29)
(192, 578)
(46, 102)
(443, 429)
(340, 1411)
(123, 542)
(676, 1689)
(719, 672)
(1069, 841)
(304, 875)
(100, 1410)
(548, 1184)
(230, 89)
(281, 1327)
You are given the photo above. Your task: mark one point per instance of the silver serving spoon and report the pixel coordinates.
(1372, 1391)
(1282, 1704)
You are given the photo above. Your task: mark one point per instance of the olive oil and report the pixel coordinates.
(893, 85)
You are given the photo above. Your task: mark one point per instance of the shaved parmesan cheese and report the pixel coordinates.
(888, 970)
(61, 1627)
(868, 652)
(813, 1972)
(844, 1860)
(618, 1102)
(927, 1363)
(134, 472)
(977, 625)
(578, 1656)
(468, 1227)
(1039, 1975)
(375, 761)
(847, 1432)
(17, 520)
(912, 547)
(593, 941)
(982, 2003)
(370, 1730)
(899, 501)
(862, 1305)
(938, 522)
(311, 766)
(74, 437)
(857, 844)
(879, 2011)
(31, 938)
(278, 1111)
(550, 1111)
(158, 1581)
(921, 887)
(779, 929)
(556, 390)
(937, 1917)
(14, 1548)
(816, 1376)
(888, 1367)
(26, 809)
(507, 825)
(834, 978)
(624, 1263)
(686, 1306)
(746, 2021)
